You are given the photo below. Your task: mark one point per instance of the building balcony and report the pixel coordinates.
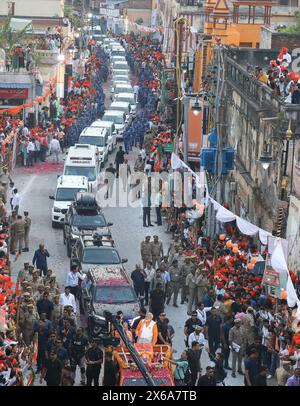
(260, 96)
(47, 57)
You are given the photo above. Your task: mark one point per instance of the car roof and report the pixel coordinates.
(124, 95)
(102, 124)
(94, 131)
(71, 181)
(114, 112)
(109, 275)
(119, 104)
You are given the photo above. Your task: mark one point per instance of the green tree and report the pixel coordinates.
(74, 19)
(9, 37)
(139, 21)
(294, 29)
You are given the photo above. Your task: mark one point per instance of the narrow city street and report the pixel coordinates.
(188, 131)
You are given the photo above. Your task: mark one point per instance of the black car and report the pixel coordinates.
(84, 217)
(90, 251)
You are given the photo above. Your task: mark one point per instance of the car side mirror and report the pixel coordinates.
(124, 260)
(110, 224)
(51, 197)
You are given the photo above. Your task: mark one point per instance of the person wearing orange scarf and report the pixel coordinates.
(146, 330)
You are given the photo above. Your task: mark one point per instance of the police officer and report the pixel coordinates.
(78, 346)
(187, 268)
(157, 251)
(19, 229)
(29, 320)
(176, 278)
(146, 251)
(27, 220)
(11, 222)
(3, 191)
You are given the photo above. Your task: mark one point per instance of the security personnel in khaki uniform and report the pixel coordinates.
(157, 252)
(3, 191)
(187, 268)
(36, 281)
(53, 290)
(175, 284)
(30, 318)
(27, 220)
(173, 249)
(38, 294)
(47, 278)
(19, 229)
(57, 312)
(146, 251)
(12, 235)
(202, 283)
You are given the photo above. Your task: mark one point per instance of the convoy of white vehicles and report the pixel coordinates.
(86, 233)
(85, 159)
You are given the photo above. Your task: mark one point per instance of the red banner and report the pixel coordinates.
(13, 93)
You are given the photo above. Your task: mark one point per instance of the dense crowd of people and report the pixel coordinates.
(230, 316)
(279, 77)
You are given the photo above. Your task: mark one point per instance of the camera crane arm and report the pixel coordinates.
(112, 319)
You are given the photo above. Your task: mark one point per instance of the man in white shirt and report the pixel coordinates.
(198, 336)
(15, 200)
(149, 272)
(55, 149)
(73, 278)
(30, 151)
(67, 299)
(201, 313)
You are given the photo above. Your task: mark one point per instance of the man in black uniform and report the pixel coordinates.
(190, 326)
(110, 371)
(119, 159)
(78, 346)
(94, 360)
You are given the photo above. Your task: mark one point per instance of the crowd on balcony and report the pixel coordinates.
(279, 77)
(21, 56)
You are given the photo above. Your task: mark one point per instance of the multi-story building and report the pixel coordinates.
(45, 17)
(137, 10)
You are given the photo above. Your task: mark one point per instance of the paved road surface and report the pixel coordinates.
(37, 184)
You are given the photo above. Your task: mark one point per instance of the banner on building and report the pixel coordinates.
(13, 93)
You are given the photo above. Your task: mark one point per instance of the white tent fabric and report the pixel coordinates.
(263, 236)
(225, 215)
(246, 227)
(278, 261)
(176, 162)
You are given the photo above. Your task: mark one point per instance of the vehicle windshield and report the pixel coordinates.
(82, 221)
(114, 294)
(114, 119)
(67, 194)
(89, 172)
(98, 141)
(101, 256)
